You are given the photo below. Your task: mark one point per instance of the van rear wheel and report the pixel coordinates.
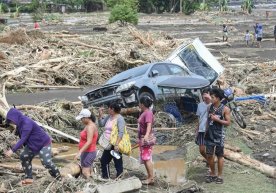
(147, 94)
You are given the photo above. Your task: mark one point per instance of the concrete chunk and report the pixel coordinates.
(120, 186)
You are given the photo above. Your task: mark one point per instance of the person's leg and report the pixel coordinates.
(149, 168)
(87, 159)
(105, 160)
(26, 158)
(211, 161)
(45, 155)
(219, 153)
(118, 165)
(200, 142)
(146, 158)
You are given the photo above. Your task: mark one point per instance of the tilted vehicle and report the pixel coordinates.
(189, 60)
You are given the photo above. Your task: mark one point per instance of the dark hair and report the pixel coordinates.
(92, 117)
(247, 30)
(146, 101)
(206, 90)
(217, 92)
(116, 107)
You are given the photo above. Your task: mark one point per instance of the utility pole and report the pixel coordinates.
(181, 5)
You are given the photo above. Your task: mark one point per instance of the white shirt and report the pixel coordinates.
(203, 115)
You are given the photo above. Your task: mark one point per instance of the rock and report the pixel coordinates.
(126, 185)
(266, 155)
(273, 130)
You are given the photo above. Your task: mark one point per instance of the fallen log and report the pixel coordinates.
(58, 132)
(129, 111)
(18, 167)
(71, 169)
(217, 44)
(250, 162)
(125, 185)
(232, 148)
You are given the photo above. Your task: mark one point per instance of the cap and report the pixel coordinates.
(84, 113)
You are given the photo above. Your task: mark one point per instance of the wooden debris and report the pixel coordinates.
(250, 162)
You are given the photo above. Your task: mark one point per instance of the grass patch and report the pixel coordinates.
(87, 53)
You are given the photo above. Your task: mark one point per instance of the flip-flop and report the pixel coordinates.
(219, 180)
(148, 182)
(210, 179)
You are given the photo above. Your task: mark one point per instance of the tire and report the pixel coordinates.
(237, 116)
(147, 94)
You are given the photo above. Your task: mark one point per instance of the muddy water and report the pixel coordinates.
(168, 161)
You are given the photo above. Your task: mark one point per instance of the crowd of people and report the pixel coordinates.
(255, 37)
(35, 141)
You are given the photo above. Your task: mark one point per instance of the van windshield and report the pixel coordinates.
(196, 64)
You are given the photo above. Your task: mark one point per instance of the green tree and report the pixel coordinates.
(123, 11)
(190, 6)
(124, 14)
(247, 6)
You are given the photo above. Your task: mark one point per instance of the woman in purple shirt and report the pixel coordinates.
(35, 141)
(145, 122)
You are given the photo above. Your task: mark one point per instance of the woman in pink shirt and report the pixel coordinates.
(145, 122)
(88, 139)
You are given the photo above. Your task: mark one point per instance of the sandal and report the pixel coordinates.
(148, 182)
(210, 179)
(219, 180)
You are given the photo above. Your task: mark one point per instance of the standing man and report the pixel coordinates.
(219, 116)
(202, 113)
(225, 32)
(275, 33)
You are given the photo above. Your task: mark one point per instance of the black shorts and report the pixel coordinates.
(218, 150)
(200, 138)
(259, 39)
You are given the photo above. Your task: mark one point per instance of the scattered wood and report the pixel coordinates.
(89, 46)
(250, 162)
(31, 107)
(52, 87)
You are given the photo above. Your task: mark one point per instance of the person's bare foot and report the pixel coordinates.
(27, 182)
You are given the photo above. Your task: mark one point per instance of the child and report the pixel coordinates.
(225, 32)
(36, 25)
(247, 37)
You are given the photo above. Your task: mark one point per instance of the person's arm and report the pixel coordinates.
(149, 121)
(102, 120)
(90, 133)
(26, 131)
(226, 121)
(121, 128)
